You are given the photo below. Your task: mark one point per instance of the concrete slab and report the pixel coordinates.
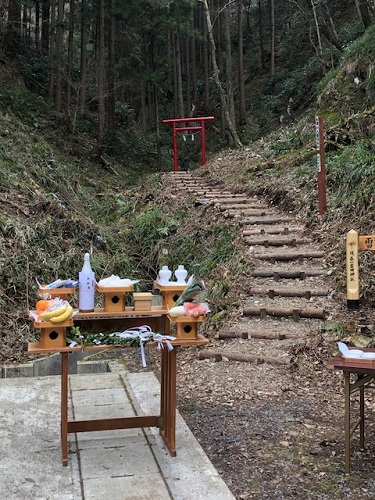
(30, 453)
(103, 411)
(189, 475)
(150, 487)
(122, 464)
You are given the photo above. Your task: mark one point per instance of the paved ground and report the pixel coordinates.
(121, 464)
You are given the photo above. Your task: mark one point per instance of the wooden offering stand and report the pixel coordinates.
(170, 294)
(57, 292)
(114, 297)
(53, 340)
(52, 336)
(186, 326)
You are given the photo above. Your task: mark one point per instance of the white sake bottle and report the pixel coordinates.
(164, 275)
(86, 286)
(181, 275)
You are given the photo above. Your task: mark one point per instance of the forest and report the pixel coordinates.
(121, 67)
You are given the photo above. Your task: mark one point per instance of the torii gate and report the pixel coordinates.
(200, 127)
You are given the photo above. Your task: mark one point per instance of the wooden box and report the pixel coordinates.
(114, 298)
(186, 326)
(170, 294)
(57, 292)
(52, 336)
(142, 301)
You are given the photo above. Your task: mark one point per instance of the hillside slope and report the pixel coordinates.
(58, 201)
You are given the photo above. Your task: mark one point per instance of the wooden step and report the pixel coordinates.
(288, 256)
(265, 221)
(230, 198)
(250, 334)
(289, 292)
(274, 230)
(232, 204)
(286, 312)
(247, 358)
(278, 242)
(255, 212)
(246, 205)
(278, 274)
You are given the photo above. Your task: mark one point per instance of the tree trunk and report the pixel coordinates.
(320, 46)
(111, 71)
(13, 32)
(261, 43)
(220, 64)
(83, 59)
(69, 72)
(37, 26)
(206, 69)
(228, 68)
(45, 26)
(216, 75)
(59, 54)
(180, 97)
(143, 106)
(193, 65)
(272, 18)
(187, 72)
(364, 13)
(52, 51)
(100, 76)
(241, 79)
(25, 31)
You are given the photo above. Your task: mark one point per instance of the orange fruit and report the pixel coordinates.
(42, 304)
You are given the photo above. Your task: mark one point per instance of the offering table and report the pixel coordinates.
(156, 318)
(363, 373)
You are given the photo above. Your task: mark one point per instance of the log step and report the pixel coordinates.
(279, 242)
(289, 292)
(246, 205)
(278, 274)
(210, 192)
(289, 256)
(230, 334)
(247, 358)
(266, 221)
(239, 200)
(274, 230)
(251, 212)
(286, 312)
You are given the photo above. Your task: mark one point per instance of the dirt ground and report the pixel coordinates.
(272, 432)
(276, 431)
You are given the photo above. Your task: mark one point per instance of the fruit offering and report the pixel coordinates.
(58, 311)
(43, 304)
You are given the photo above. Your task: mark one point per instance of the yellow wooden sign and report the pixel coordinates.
(352, 274)
(354, 244)
(366, 242)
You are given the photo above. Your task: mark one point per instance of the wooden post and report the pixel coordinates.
(320, 160)
(352, 275)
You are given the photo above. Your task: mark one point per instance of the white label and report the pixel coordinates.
(317, 133)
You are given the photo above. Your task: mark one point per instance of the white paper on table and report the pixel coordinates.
(354, 353)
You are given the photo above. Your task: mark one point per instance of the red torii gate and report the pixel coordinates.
(200, 127)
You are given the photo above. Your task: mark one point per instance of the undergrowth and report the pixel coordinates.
(54, 208)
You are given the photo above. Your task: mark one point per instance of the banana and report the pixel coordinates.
(67, 314)
(54, 312)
